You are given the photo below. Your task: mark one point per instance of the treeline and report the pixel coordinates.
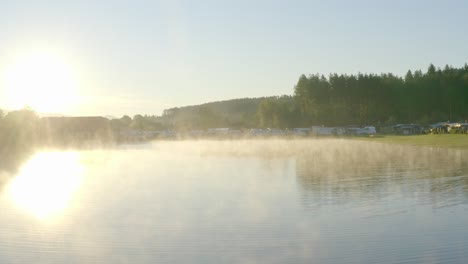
(340, 99)
(138, 122)
(363, 99)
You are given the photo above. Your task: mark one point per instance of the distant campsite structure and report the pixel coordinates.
(97, 128)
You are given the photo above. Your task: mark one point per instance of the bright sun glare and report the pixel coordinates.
(42, 81)
(47, 183)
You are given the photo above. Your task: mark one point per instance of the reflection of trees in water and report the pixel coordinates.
(22, 131)
(336, 171)
(18, 136)
(11, 161)
(340, 173)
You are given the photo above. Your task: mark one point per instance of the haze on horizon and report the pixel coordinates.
(140, 57)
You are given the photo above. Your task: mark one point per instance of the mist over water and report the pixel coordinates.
(245, 201)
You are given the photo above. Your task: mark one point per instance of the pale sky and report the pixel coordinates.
(130, 57)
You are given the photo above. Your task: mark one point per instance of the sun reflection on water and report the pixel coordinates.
(47, 183)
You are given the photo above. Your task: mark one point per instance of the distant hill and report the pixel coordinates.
(50, 114)
(229, 113)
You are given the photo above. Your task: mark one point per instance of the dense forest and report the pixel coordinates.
(436, 95)
(340, 99)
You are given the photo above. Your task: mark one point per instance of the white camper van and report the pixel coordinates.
(368, 130)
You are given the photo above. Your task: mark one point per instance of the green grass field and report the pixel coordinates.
(443, 141)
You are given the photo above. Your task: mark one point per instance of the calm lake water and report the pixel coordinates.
(286, 201)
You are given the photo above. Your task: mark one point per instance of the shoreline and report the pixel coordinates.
(453, 141)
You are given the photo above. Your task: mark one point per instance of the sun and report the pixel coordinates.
(43, 81)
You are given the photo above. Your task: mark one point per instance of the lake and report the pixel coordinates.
(246, 201)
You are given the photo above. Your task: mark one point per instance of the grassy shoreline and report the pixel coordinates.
(458, 141)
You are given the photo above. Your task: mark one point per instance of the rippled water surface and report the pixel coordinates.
(301, 201)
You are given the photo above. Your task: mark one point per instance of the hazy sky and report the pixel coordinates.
(144, 56)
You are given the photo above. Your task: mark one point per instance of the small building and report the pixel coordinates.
(301, 131)
(167, 134)
(196, 133)
(440, 128)
(408, 129)
(77, 128)
(328, 131)
(218, 131)
(340, 131)
(361, 131)
(458, 128)
(322, 131)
